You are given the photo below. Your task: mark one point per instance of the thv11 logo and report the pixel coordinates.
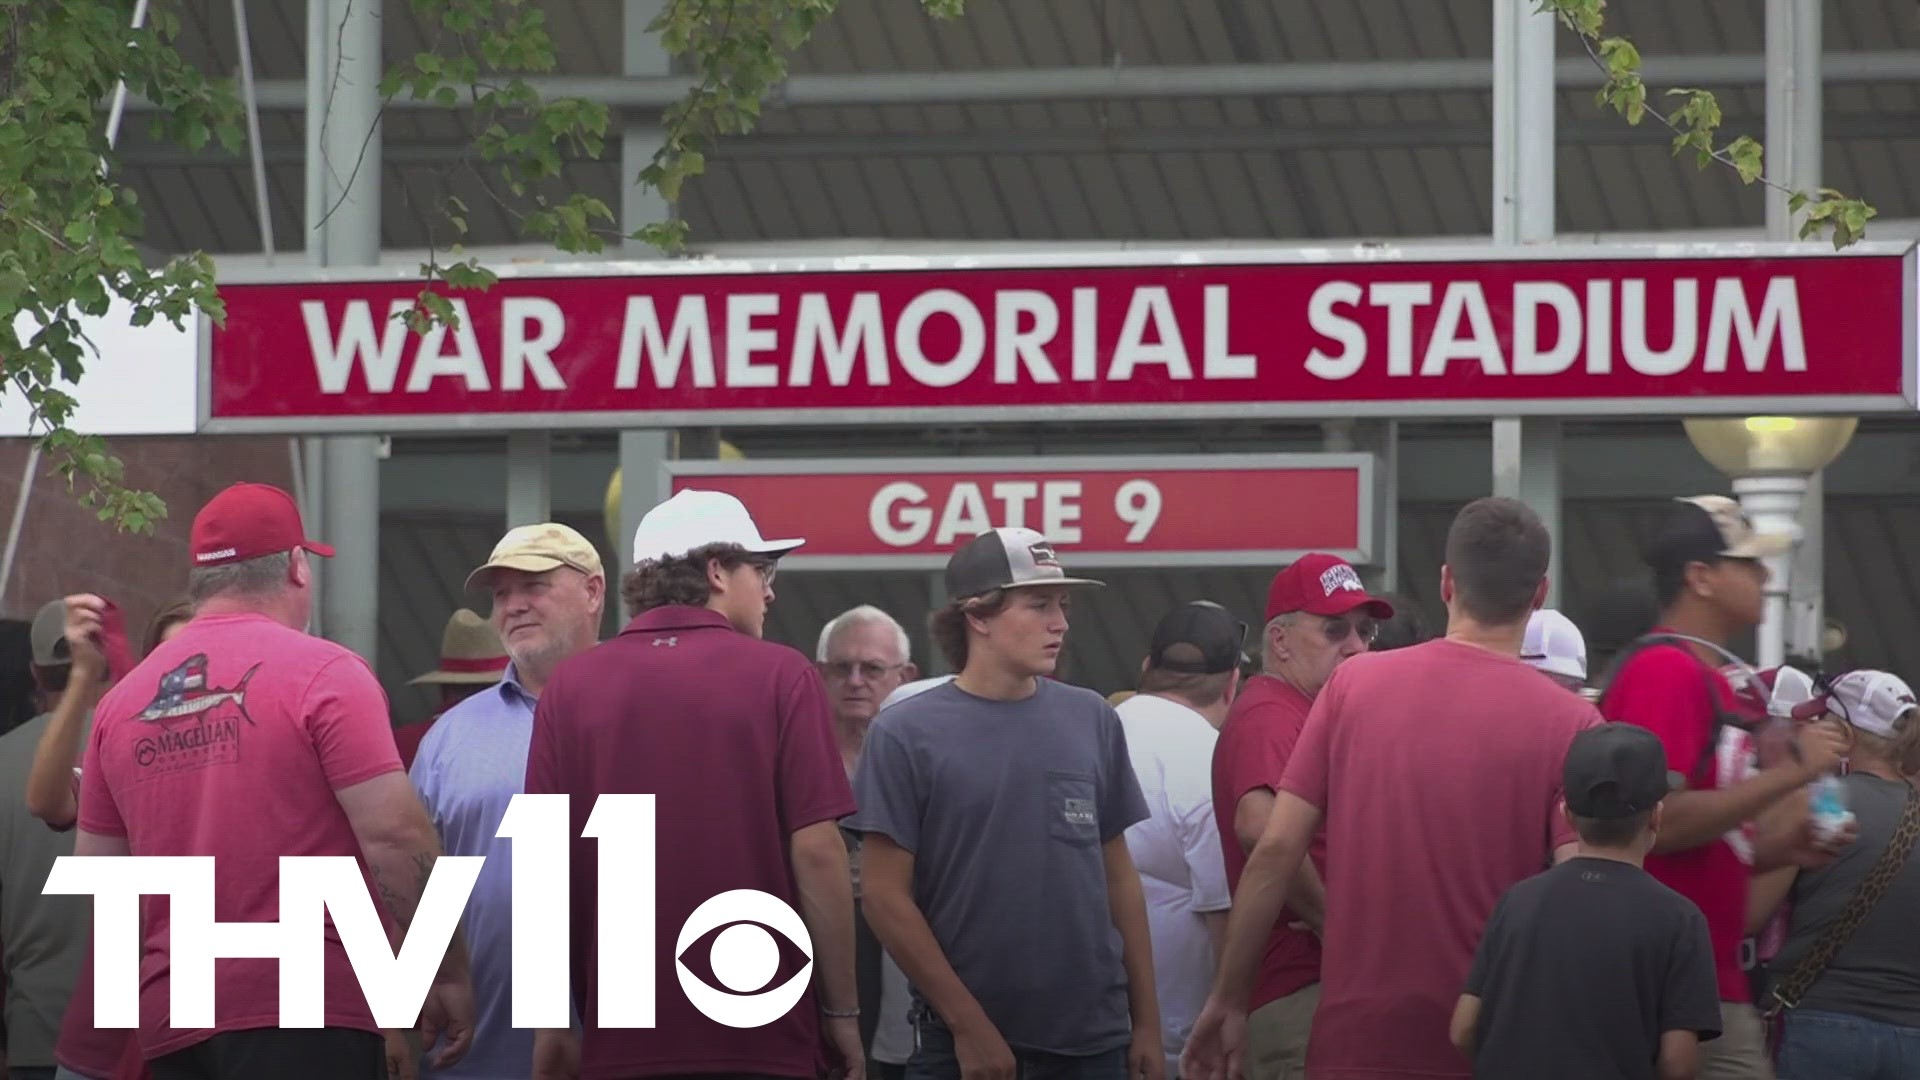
(745, 957)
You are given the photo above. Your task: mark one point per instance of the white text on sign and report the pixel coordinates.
(902, 512)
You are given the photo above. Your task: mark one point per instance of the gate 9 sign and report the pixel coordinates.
(1213, 510)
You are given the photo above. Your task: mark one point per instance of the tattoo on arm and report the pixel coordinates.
(403, 905)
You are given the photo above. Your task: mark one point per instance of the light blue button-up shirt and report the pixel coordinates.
(470, 766)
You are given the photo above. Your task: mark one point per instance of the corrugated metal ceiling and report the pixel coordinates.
(1331, 165)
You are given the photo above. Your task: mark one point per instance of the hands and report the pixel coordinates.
(1822, 746)
(556, 1054)
(844, 1033)
(1146, 1057)
(983, 1054)
(1216, 1044)
(402, 1062)
(1817, 850)
(449, 1011)
(85, 613)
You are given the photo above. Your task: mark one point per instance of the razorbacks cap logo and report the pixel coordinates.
(1341, 578)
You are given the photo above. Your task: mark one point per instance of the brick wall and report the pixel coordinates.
(65, 549)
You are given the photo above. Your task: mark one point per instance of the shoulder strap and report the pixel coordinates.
(1790, 990)
(1702, 766)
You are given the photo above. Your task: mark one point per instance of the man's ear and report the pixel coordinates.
(909, 672)
(1446, 584)
(716, 576)
(1699, 579)
(1540, 595)
(1277, 639)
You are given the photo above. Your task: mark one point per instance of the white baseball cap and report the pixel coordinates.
(1873, 701)
(693, 519)
(1554, 645)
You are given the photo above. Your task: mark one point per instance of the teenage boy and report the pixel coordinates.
(994, 811)
(1710, 578)
(1593, 969)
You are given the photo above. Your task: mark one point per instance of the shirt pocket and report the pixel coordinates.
(1073, 809)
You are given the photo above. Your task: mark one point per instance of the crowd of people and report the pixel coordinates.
(1332, 846)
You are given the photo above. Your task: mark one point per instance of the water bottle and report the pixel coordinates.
(1829, 807)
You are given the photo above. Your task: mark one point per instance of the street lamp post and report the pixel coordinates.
(1771, 459)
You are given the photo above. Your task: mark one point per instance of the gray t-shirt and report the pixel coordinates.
(1876, 974)
(45, 937)
(1005, 806)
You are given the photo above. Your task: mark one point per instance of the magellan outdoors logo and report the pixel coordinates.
(1043, 554)
(743, 956)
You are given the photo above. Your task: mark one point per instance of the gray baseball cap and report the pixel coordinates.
(1006, 559)
(49, 635)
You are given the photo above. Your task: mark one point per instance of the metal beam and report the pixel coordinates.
(1795, 141)
(344, 189)
(1526, 451)
(1066, 141)
(1159, 81)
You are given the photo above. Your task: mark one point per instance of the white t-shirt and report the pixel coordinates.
(1177, 852)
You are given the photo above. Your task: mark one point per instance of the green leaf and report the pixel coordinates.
(1748, 157)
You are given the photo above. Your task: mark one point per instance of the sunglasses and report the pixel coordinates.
(1338, 627)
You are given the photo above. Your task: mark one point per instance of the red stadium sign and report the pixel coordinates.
(1212, 510)
(1565, 330)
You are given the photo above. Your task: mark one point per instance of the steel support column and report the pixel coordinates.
(529, 478)
(644, 452)
(343, 222)
(1526, 453)
(1794, 152)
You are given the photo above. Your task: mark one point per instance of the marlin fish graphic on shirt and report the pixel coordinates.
(184, 692)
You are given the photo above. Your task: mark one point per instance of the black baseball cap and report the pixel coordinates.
(1006, 559)
(1200, 638)
(1708, 527)
(1616, 771)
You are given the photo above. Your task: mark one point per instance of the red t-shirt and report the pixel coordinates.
(734, 738)
(1438, 767)
(1664, 688)
(1255, 743)
(230, 740)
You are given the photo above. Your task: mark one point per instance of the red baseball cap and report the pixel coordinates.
(247, 521)
(1322, 585)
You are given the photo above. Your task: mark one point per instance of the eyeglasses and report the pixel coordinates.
(1339, 627)
(767, 568)
(841, 670)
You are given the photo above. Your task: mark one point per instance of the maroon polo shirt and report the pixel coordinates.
(734, 738)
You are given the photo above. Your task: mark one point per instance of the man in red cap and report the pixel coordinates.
(246, 739)
(1438, 772)
(1318, 614)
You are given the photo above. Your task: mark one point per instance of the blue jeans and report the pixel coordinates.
(934, 1059)
(1834, 1046)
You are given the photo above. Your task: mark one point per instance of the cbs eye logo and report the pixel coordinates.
(744, 957)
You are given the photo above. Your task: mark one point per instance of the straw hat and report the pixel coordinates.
(470, 652)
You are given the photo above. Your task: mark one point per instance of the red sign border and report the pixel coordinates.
(1908, 401)
(1365, 464)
